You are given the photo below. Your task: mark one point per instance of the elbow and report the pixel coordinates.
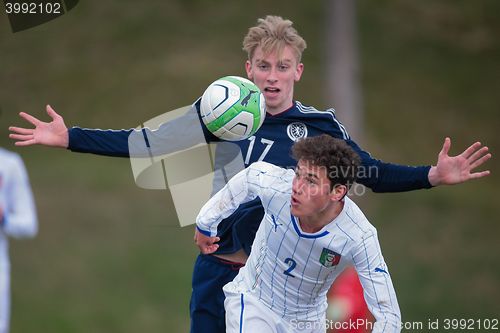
(24, 231)
(388, 320)
(397, 320)
(29, 228)
(31, 231)
(394, 320)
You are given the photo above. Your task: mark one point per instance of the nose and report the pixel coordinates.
(272, 77)
(296, 186)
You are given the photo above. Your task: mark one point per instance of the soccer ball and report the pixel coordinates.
(233, 108)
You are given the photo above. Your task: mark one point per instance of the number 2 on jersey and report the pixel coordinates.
(291, 263)
(266, 142)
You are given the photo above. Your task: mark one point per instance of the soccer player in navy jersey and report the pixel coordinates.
(274, 63)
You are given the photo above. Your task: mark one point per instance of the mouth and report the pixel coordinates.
(294, 201)
(271, 91)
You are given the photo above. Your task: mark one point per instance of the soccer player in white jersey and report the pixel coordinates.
(18, 219)
(310, 232)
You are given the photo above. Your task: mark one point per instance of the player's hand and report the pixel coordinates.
(53, 134)
(451, 170)
(206, 244)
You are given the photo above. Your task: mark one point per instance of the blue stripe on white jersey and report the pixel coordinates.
(295, 224)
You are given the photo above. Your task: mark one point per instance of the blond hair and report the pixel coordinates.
(273, 33)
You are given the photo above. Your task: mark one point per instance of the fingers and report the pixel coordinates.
(25, 143)
(21, 137)
(24, 136)
(53, 114)
(209, 246)
(210, 249)
(469, 151)
(480, 161)
(446, 146)
(478, 154)
(20, 130)
(481, 174)
(29, 118)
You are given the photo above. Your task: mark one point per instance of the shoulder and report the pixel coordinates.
(354, 222)
(309, 109)
(325, 120)
(268, 169)
(11, 165)
(9, 157)
(271, 177)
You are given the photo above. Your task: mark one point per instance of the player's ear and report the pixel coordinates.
(298, 71)
(248, 68)
(338, 192)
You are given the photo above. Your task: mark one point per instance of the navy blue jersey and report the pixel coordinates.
(271, 143)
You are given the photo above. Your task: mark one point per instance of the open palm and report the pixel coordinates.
(54, 133)
(457, 169)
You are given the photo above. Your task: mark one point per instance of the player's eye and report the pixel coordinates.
(310, 181)
(283, 68)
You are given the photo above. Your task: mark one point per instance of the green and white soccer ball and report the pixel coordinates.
(233, 108)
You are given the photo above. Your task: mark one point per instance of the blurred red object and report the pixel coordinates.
(347, 309)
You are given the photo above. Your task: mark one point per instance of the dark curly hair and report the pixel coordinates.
(339, 159)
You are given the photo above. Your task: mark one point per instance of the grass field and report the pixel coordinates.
(109, 256)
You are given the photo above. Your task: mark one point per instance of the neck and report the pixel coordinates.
(316, 222)
(274, 111)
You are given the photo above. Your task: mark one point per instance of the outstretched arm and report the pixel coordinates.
(180, 133)
(381, 176)
(451, 170)
(52, 134)
(387, 177)
(56, 134)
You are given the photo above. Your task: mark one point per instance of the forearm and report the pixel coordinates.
(224, 203)
(377, 285)
(171, 136)
(21, 224)
(243, 187)
(388, 177)
(100, 142)
(19, 218)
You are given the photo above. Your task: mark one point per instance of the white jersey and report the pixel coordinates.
(290, 271)
(18, 220)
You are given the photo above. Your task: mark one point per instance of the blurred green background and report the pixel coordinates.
(109, 256)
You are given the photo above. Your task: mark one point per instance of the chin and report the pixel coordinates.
(271, 105)
(296, 212)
